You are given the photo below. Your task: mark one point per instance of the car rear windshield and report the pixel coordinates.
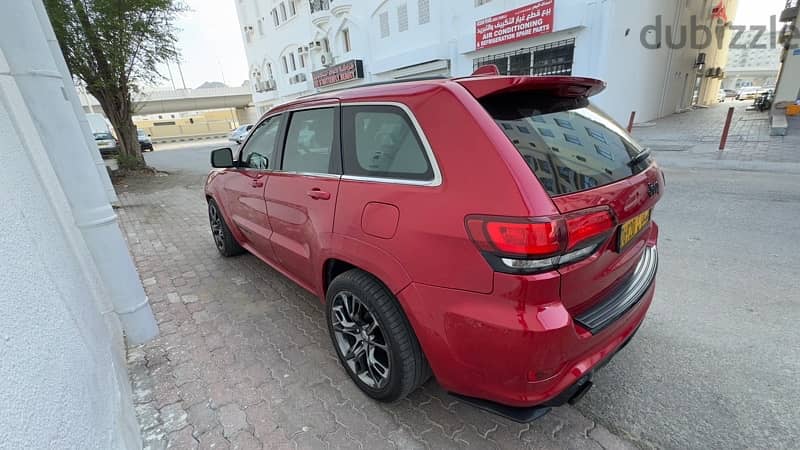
(569, 145)
(101, 135)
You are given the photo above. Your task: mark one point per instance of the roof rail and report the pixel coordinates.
(378, 83)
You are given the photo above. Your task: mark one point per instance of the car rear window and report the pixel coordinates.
(569, 145)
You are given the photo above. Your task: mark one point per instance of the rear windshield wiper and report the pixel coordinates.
(644, 154)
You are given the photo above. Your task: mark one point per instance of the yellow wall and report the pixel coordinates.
(207, 122)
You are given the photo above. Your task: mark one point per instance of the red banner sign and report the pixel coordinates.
(339, 73)
(515, 25)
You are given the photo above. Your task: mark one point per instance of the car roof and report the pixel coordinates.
(478, 86)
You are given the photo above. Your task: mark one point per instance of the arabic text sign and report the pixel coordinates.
(521, 23)
(339, 73)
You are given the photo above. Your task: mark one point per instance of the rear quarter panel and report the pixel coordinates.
(431, 242)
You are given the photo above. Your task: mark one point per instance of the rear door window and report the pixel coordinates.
(569, 149)
(310, 141)
(380, 141)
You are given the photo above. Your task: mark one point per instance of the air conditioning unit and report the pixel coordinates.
(326, 59)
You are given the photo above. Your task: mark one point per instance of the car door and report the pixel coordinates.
(301, 196)
(244, 188)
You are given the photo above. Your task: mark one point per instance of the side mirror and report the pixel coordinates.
(222, 158)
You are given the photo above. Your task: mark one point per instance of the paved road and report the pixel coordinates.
(714, 365)
(192, 157)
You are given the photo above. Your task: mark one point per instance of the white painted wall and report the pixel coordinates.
(61, 359)
(62, 355)
(652, 82)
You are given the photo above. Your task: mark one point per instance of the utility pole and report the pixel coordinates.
(183, 82)
(223, 72)
(170, 75)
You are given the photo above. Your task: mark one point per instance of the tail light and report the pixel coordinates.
(530, 245)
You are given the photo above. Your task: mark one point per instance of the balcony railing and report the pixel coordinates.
(319, 5)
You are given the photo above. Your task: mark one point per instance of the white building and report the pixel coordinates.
(69, 293)
(634, 45)
(753, 60)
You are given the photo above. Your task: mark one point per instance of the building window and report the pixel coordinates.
(346, 40)
(402, 17)
(572, 139)
(563, 123)
(549, 59)
(292, 8)
(597, 134)
(424, 7)
(384, 19)
(283, 11)
(326, 45)
(269, 71)
(260, 27)
(302, 60)
(319, 5)
(285, 65)
(275, 20)
(291, 59)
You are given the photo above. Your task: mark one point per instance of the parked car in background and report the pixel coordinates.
(721, 96)
(511, 291)
(730, 93)
(106, 142)
(748, 93)
(240, 133)
(144, 140)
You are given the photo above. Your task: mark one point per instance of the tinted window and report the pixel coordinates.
(309, 141)
(594, 152)
(381, 141)
(259, 149)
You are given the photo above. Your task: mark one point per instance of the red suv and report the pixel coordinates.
(492, 231)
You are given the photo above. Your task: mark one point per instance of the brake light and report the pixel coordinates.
(524, 238)
(519, 245)
(584, 227)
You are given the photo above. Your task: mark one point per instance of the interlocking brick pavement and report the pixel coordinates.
(244, 359)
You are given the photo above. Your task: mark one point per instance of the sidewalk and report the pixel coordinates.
(244, 359)
(693, 137)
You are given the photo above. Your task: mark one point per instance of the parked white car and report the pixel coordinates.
(240, 133)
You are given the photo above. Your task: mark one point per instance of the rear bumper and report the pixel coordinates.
(518, 346)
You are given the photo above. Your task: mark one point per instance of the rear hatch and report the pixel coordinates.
(588, 164)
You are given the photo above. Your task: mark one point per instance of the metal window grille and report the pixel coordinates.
(555, 58)
(319, 5)
(424, 11)
(402, 17)
(384, 19)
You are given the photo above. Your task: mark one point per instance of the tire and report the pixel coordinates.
(362, 357)
(223, 238)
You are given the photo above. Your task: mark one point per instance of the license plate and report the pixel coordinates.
(632, 228)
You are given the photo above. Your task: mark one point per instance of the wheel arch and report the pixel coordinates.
(347, 253)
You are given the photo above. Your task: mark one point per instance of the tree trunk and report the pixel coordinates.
(118, 110)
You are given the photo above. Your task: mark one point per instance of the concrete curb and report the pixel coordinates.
(168, 140)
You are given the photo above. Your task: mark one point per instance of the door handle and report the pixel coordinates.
(257, 183)
(318, 194)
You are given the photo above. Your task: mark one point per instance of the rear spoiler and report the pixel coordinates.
(482, 86)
